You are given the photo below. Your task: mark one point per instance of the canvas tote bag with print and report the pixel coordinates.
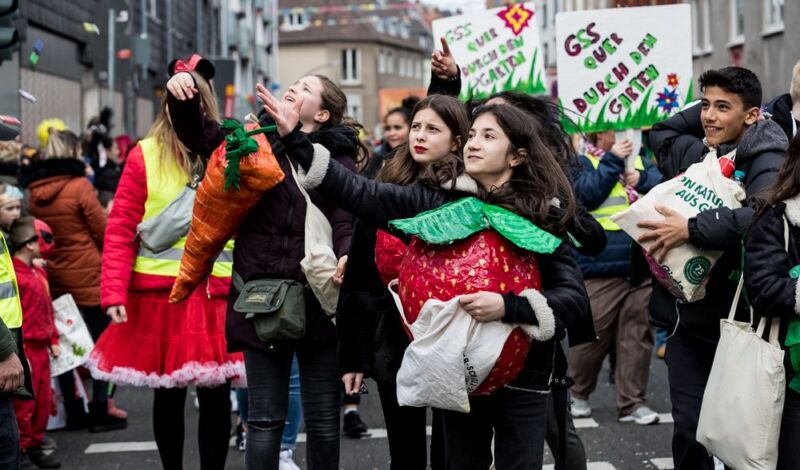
(740, 418)
(686, 268)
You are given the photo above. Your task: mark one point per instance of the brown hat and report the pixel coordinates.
(22, 231)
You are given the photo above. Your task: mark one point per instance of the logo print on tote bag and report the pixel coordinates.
(696, 268)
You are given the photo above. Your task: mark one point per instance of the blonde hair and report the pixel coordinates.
(10, 151)
(62, 144)
(794, 90)
(172, 149)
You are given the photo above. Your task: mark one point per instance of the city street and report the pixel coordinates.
(609, 444)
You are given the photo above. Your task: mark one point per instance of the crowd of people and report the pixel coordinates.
(524, 213)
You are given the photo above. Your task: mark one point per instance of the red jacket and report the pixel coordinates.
(121, 243)
(38, 316)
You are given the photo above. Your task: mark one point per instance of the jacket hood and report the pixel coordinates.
(9, 168)
(42, 169)
(339, 140)
(46, 178)
(762, 137)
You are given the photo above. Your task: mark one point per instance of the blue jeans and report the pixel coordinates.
(268, 377)
(9, 434)
(295, 415)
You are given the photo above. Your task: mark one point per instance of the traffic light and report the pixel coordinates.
(9, 36)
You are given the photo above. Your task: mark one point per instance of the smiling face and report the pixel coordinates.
(312, 116)
(430, 139)
(489, 156)
(395, 130)
(724, 116)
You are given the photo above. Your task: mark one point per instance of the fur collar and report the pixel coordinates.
(464, 183)
(41, 169)
(793, 210)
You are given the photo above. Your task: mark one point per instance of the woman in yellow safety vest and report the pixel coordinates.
(151, 342)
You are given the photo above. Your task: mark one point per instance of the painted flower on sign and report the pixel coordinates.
(672, 80)
(668, 100)
(516, 17)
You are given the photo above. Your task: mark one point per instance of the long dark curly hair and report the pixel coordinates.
(538, 189)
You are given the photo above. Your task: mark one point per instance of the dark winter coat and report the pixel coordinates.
(781, 110)
(677, 144)
(592, 187)
(770, 289)
(9, 172)
(270, 241)
(63, 197)
(378, 203)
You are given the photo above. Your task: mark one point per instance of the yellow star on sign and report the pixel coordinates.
(516, 17)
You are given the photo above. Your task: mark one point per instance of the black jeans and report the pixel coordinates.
(689, 361)
(574, 452)
(9, 434)
(406, 432)
(518, 418)
(788, 450)
(268, 400)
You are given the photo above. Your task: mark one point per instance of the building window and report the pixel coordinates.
(773, 15)
(737, 22)
(295, 21)
(418, 68)
(351, 66)
(355, 109)
(701, 27)
(390, 63)
(381, 61)
(152, 9)
(392, 27)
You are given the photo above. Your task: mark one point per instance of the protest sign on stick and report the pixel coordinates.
(623, 68)
(497, 50)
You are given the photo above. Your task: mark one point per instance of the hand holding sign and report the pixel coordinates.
(443, 64)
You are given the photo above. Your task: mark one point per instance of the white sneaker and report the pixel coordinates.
(641, 416)
(286, 462)
(580, 408)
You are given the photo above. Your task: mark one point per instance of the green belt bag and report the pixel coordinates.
(276, 306)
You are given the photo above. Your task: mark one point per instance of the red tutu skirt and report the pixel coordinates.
(165, 345)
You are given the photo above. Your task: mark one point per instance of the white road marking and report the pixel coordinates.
(665, 463)
(583, 423)
(589, 466)
(120, 447)
(665, 418)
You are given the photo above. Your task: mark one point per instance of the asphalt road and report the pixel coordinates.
(609, 444)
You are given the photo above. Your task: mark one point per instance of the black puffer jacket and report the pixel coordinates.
(772, 292)
(781, 110)
(378, 203)
(678, 143)
(270, 241)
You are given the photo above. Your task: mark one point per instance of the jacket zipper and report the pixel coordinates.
(288, 235)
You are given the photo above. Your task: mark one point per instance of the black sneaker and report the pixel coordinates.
(37, 456)
(48, 443)
(101, 421)
(353, 426)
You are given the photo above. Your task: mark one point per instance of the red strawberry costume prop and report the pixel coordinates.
(469, 246)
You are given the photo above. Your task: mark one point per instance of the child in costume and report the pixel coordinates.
(152, 343)
(41, 339)
(269, 248)
(520, 184)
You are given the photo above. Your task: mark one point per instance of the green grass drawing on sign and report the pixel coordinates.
(645, 115)
(532, 85)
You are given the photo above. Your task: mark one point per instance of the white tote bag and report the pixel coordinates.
(73, 336)
(740, 419)
(319, 263)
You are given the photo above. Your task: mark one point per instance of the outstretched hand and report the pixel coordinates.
(286, 114)
(443, 64)
(182, 86)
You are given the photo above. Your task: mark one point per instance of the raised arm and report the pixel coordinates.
(198, 132)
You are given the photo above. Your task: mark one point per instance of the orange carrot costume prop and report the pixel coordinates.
(247, 163)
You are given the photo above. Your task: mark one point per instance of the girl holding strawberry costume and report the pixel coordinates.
(522, 193)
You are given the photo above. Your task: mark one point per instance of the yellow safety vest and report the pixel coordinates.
(164, 183)
(10, 308)
(617, 200)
